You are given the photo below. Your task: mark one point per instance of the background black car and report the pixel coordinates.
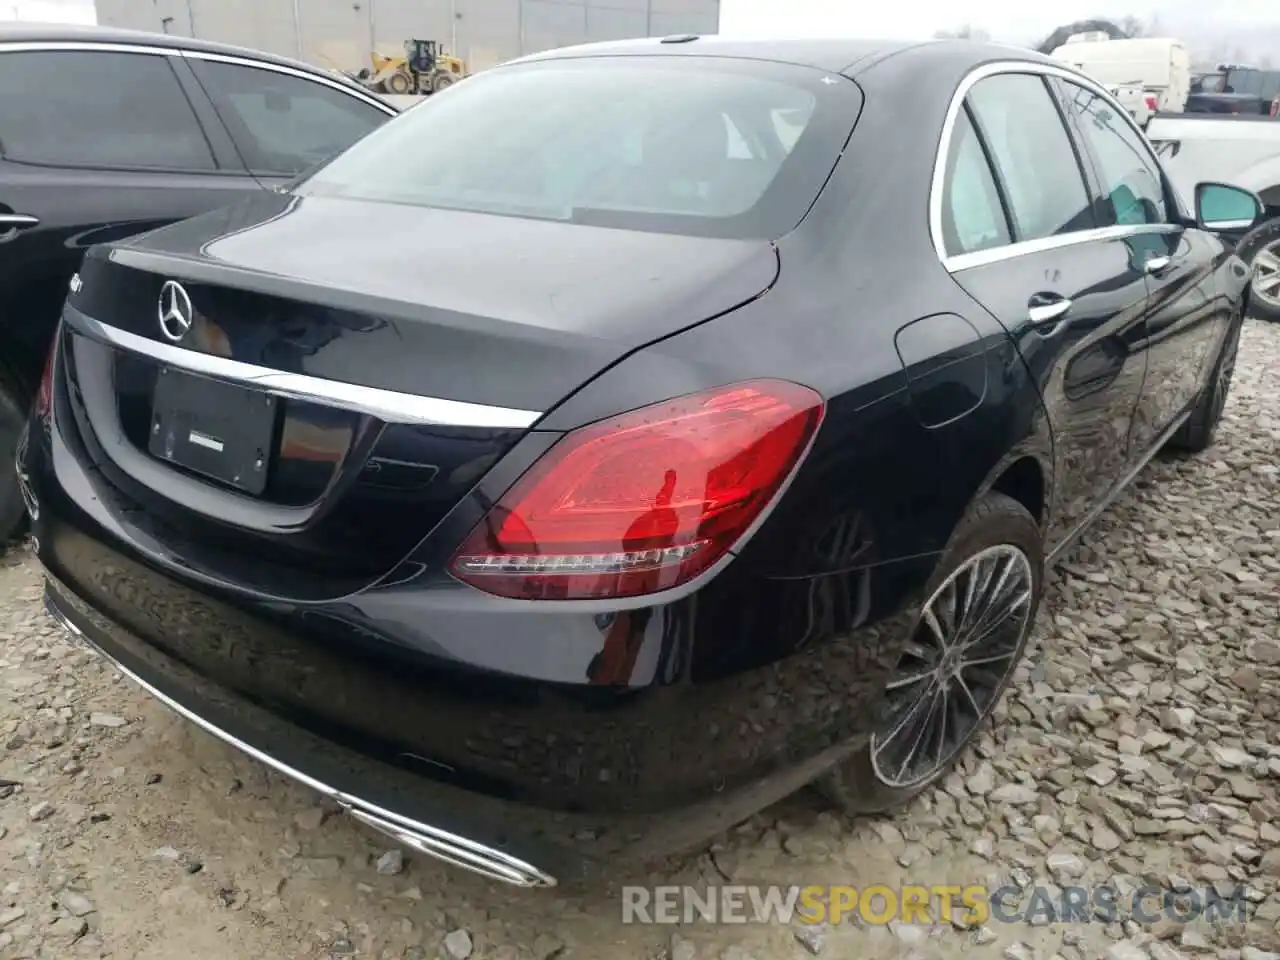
(107, 133)
(698, 429)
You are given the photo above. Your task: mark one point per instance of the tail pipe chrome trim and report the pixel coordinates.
(421, 837)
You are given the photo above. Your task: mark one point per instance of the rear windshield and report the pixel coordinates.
(702, 146)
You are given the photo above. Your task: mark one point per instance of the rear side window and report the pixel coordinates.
(1033, 155)
(1131, 180)
(972, 216)
(100, 110)
(705, 146)
(284, 124)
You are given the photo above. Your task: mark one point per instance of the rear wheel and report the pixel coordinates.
(962, 652)
(440, 81)
(1198, 433)
(13, 418)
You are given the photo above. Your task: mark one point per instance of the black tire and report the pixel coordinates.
(440, 82)
(995, 521)
(1249, 247)
(399, 83)
(13, 419)
(1197, 434)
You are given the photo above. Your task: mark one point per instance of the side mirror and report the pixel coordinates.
(1220, 206)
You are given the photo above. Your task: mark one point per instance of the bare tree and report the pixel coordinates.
(1134, 27)
(1063, 33)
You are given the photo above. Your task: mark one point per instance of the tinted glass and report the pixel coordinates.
(1130, 178)
(1219, 203)
(972, 217)
(103, 110)
(1033, 155)
(701, 146)
(284, 124)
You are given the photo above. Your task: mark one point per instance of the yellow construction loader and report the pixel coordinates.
(423, 69)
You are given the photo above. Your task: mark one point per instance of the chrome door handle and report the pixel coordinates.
(18, 221)
(1041, 314)
(1157, 265)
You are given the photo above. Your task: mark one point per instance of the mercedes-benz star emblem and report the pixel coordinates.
(176, 313)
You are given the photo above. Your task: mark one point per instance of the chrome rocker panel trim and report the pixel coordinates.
(421, 837)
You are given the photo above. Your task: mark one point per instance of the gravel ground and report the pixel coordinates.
(1138, 746)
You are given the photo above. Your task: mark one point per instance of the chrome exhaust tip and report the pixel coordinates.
(457, 851)
(423, 838)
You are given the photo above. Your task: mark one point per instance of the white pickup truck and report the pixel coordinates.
(1243, 151)
(1134, 97)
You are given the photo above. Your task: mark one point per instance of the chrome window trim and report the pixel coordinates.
(964, 261)
(387, 405)
(1229, 224)
(980, 258)
(44, 46)
(290, 72)
(110, 46)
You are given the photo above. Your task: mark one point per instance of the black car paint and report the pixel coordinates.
(80, 207)
(599, 729)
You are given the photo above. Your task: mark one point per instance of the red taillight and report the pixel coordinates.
(644, 501)
(1153, 104)
(44, 395)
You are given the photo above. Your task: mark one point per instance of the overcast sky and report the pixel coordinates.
(1250, 26)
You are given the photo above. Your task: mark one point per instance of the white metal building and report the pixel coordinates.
(341, 33)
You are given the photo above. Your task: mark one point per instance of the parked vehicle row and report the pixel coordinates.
(105, 134)
(1147, 75)
(1247, 91)
(696, 426)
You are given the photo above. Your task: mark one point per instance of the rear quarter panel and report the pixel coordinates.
(921, 416)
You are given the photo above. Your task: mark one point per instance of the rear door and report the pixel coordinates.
(1021, 235)
(95, 144)
(1183, 318)
(285, 122)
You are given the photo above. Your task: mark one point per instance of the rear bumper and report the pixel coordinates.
(509, 841)
(373, 793)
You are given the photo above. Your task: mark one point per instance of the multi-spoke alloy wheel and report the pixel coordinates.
(951, 665)
(963, 649)
(1266, 276)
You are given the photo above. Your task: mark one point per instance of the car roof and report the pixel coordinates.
(848, 56)
(27, 32)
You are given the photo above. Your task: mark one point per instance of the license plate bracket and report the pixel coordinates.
(219, 430)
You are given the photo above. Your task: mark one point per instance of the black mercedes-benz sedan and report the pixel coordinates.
(632, 434)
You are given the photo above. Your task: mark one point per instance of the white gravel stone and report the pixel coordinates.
(391, 863)
(457, 943)
(76, 904)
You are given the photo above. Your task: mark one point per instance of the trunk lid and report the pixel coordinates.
(310, 497)
(434, 302)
